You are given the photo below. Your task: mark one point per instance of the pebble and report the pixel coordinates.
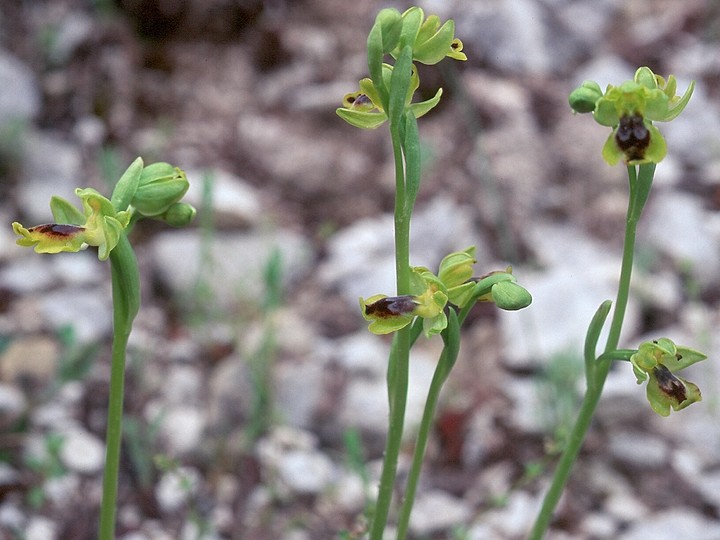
(41, 528)
(234, 203)
(87, 310)
(44, 352)
(182, 428)
(671, 524)
(306, 472)
(637, 449)
(436, 511)
(678, 225)
(234, 264)
(175, 488)
(20, 99)
(82, 452)
(51, 167)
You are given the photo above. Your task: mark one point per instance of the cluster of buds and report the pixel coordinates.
(154, 191)
(431, 295)
(630, 110)
(429, 41)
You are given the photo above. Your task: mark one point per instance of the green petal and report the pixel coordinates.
(606, 112)
(456, 268)
(677, 107)
(684, 357)
(423, 107)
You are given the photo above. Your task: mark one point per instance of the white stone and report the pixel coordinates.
(678, 225)
(672, 524)
(437, 511)
(236, 262)
(234, 201)
(51, 167)
(20, 99)
(41, 528)
(306, 472)
(82, 452)
(87, 310)
(638, 449)
(182, 428)
(175, 487)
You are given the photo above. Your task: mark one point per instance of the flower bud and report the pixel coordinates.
(161, 185)
(584, 97)
(179, 214)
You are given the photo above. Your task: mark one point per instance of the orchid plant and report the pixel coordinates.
(437, 303)
(425, 302)
(153, 191)
(629, 110)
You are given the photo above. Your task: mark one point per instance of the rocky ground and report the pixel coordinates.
(250, 422)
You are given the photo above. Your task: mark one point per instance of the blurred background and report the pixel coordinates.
(256, 401)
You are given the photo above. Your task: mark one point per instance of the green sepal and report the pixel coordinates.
(411, 21)
(65, 212)
(126, 186)
(434, 41)
(457, 267)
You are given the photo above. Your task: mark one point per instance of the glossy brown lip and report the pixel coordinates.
(57, 230)
(393, 306)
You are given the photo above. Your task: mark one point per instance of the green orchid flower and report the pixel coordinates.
(364, 108)
(429, 41)
(630, 109)
(98, 225)
(432, 41)
(656, 362)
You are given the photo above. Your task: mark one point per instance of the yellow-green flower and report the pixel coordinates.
(656, 362)
(364, 108)
(98, 225)
(630, 109)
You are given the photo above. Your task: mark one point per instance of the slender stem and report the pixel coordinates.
(420, 447)
(113, 438)
(639, 188)
(126, 302)
(398, 366)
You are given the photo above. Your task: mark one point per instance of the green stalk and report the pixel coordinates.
(398, 366)
(445, 364)
(126, 302)
(639, 190)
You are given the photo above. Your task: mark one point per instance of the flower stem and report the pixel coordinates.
(398, 366)
(126, 302)
(639, 190)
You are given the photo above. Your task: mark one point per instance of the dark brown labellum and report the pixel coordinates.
(392, 306)
(670, 384)
(632, 137)
(57, 230)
